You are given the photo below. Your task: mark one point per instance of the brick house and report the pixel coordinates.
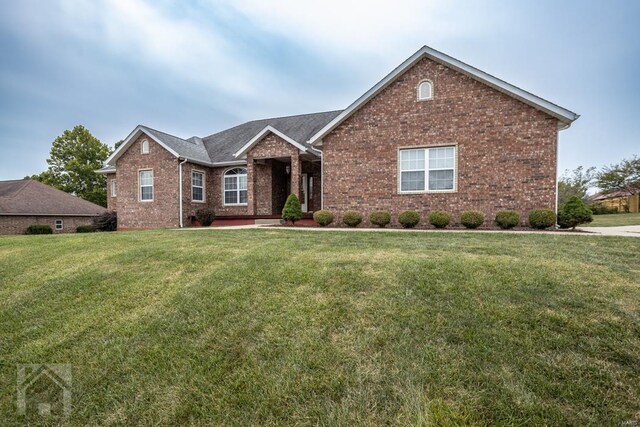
(27, 202)
(434, 134)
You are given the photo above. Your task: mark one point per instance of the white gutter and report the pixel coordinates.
(180, 200)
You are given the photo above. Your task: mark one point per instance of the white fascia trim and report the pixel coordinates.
(261, 134)
(562, 114)
(139, 130)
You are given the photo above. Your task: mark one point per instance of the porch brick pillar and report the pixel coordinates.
(251, 200)
(296, 171)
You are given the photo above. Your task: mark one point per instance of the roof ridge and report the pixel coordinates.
(165, 133)
(270, 118)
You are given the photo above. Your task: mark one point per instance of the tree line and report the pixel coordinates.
(623, 177)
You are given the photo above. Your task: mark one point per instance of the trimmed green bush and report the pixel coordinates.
(409, 219)
(439, 219)
(507, 219)
(323, 217)
(380, 218)
(574, 213)
(542, 218)
(352, 218)
(39, 229)
(472, 219)
(292, 210)
(205, 216)
(85, 229)
(107, 221)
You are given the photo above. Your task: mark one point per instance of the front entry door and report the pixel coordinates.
(304, 193)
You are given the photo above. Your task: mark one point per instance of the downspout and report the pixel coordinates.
(557, 164)
(321, 179)
(180, 179)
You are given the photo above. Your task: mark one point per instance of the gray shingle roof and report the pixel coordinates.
(222, 145)
(192, 148)
(27, 196)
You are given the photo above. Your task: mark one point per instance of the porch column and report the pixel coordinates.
(296, 170)
(251, 204)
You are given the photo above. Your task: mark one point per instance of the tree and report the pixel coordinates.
(575, 183)
(292, 210)
(117, 144)
(74, 157)
(624, 176)
(573, 213)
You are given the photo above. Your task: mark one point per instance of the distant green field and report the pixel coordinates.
(281, 327)
(614, 220)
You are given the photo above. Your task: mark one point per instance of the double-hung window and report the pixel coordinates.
(427, 169)
(197, 186)
(146, 185)
(235, 186)
(114, 188)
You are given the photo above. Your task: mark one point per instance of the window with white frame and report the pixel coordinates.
(145, 146)
(425, 90)
(427, 169)
(59, 224)
(235, 186)
(114, 189)
(146, 185)
(197, 186)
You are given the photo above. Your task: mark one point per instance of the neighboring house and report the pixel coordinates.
(27, 202)
(434, 134)
(618, 200)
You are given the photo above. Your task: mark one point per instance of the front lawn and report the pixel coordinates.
(614, 220)
(273, 327)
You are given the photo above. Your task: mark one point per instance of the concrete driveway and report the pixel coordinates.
(627, 230)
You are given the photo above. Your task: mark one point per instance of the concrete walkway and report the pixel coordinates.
(627, 231)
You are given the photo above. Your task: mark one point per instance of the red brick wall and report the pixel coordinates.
(18, 224)
(112, 202)
(506, 151)
(163, 210)
(217, 196)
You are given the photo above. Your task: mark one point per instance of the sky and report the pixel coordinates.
(196, 67)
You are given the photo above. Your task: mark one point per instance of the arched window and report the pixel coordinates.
(235, 186)
(425, 90)
(145, 147)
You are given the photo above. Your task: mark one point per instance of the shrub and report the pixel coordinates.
(599, 209)
(439, 219)
(573, 213)
(409, 219)
(85, 229)
(352, 218)
(542, 218)
(380, 218)
(205, 216)
(292, 210)
(507, 219)
(472, 219)
(323, 217)
(107, 221)
(39, 229)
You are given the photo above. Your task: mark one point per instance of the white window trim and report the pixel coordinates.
(142, 145)
(153, 190)
(55, 225)
(204, 185)
(223, 190)
(114, 189)
(418, 90)
(426, 169)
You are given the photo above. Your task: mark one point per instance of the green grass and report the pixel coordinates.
(614, 220)
(279, 327)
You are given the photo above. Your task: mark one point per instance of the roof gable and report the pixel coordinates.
(562, 114)
(242, 152)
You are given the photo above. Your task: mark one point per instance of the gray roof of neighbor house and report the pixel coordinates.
(29, 197)
(222, 145)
